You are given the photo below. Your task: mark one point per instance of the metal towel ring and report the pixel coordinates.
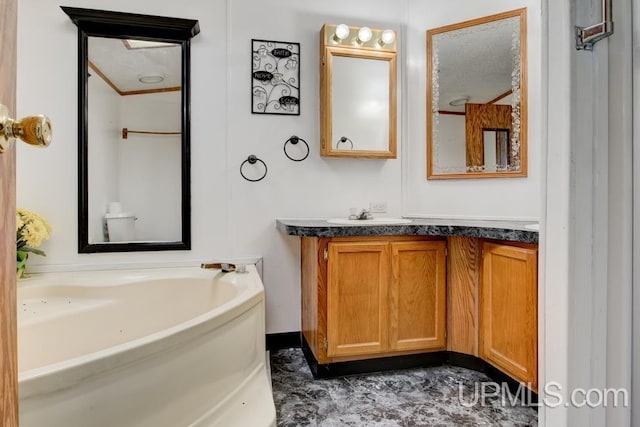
(294, 140)
(252, 160)
(343, 140)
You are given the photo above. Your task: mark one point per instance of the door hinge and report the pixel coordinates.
(325, 343)
(326, 254)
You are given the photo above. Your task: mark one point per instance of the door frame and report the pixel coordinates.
(8, 310)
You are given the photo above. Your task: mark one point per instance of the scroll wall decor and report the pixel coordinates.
(275, 77)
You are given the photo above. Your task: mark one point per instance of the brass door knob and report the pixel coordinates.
(34, 130)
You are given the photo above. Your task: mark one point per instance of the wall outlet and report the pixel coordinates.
(378, 207)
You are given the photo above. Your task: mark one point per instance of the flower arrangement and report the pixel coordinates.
(31, 230)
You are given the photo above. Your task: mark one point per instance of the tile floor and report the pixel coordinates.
(416, 397)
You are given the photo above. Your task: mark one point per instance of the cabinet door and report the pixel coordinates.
(509, 310)
(418, 296)
(357, 302)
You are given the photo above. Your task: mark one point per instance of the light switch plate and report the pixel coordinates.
(378, 207)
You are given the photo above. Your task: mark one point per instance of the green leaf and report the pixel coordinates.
(21, 259)
(33, 250)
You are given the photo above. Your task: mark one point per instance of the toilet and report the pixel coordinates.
(120, 225)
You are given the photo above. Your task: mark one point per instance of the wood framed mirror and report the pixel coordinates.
(477, 98)
(133, 131)
(358, 85)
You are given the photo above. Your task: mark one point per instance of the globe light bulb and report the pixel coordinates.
(387, 37)
(342, 32)
(364, 35)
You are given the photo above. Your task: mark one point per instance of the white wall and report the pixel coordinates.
(104, 116)
(150, 165)
(316, 187)
(121, 170)
(480, 198)
(230, 216)
(451, 152)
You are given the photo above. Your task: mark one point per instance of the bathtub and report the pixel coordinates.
(152, 347)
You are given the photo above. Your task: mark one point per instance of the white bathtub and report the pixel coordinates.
(157, 347)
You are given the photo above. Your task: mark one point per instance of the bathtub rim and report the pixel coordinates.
(64, 374)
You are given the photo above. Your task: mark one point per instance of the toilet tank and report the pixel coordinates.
(121, 226)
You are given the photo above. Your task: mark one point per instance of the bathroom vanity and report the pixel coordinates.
(388, 296)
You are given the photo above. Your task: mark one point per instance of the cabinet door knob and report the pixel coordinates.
(34, 130)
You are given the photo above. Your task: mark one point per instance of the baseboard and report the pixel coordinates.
(468, 361)
(527, 395)
(283, 340)
(356, 367)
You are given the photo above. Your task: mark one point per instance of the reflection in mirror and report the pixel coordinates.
(358, 92)
(133, 156)
(496, 149)
(476, 99)
(137, 89)
(360, 110)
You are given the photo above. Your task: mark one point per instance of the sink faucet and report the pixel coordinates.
(364, 214)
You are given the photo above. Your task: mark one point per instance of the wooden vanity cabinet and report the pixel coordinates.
(418, 296)
(357, 298)
(366, 297)
(508, 329)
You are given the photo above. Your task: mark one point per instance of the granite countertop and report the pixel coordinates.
(489, 229)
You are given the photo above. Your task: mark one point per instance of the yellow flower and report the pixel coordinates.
(19, 222)
(34, 233)
(32, 228)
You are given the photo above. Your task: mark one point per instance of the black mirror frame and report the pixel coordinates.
(101, 23)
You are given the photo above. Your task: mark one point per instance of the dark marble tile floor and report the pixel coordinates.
(414, 397)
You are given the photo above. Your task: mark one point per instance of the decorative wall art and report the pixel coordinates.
(275, 77)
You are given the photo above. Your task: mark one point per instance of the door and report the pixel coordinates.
(357, 298)
(8, 328)
(509, 310)
(418, 296)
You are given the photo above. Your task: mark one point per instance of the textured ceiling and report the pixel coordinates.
(475, 62)
(123, 66)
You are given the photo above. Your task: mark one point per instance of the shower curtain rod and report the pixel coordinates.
(126, 132)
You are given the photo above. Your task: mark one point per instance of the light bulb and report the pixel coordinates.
(462, 100)
(387, 37)
(150, 78)
(342, 32)
(364, 35)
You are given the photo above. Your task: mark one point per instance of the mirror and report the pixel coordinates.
(477, 98)
(133, 136)
(358, 92)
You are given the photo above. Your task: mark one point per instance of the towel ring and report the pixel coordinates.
(252, 160)
(294, 140)
(344, 139)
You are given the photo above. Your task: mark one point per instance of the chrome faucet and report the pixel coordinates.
(224, 266)
(364, 214)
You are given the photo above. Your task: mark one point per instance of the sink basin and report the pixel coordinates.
(374, 221)
(533, 227)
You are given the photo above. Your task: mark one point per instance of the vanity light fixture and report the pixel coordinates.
(342, 32)
(150, 79)
(459, 101)
(387, 37)
(364, 35)
(353, 37)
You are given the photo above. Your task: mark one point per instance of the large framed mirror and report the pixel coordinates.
(133, 131)
(358, 92)
(477, 98)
